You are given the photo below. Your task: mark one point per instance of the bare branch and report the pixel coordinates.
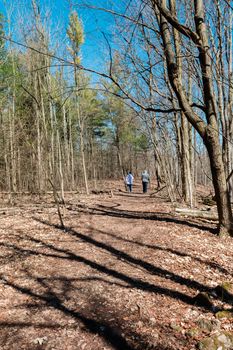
(176, 24)
(119, 15)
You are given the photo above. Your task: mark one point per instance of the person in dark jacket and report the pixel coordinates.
(145, 181)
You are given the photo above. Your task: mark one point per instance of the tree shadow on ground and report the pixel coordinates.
(94, 322)
(155, 216)
(211, 264)
(107, 322)
(126, 258)
(50, 299)
(148, 267)
(137, 283)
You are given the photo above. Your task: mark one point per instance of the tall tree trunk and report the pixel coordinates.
(209, 132)
(83, 156)
(71, 150)
(219, 181)
(186, 161)
(229, 32)
(81, 129)
(184, 125)
(119, 157)
(60, 168)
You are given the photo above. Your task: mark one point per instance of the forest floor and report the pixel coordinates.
(123, 274)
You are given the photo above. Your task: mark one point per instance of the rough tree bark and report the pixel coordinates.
(207, 130)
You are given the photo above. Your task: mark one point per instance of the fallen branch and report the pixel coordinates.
(207, 214)
(157, 191)
(110, 192)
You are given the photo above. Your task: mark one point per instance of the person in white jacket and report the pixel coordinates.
(129, 181)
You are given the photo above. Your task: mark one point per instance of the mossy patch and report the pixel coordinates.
(223, 341)
(193, 332)
(224, 314)
(207, 325)
(175, 327)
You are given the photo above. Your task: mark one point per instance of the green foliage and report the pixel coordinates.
(122, 123)
(76, 36)
(46, 110)
(6, 70)
(141, 142)
(2, 41)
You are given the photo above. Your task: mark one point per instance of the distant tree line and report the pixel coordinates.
(164, 102)
(54, 126)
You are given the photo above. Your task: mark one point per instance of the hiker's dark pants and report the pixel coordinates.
(144, 186)
(129, 187)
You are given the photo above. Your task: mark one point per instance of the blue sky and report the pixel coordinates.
(94, 50)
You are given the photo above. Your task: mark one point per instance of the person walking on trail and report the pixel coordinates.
(129, 181)
(145, 181)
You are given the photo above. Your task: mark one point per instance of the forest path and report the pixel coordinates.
(122, 275)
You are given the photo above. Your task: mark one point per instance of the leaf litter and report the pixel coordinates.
(123, 275)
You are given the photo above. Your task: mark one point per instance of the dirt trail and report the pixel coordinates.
(121, 276)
